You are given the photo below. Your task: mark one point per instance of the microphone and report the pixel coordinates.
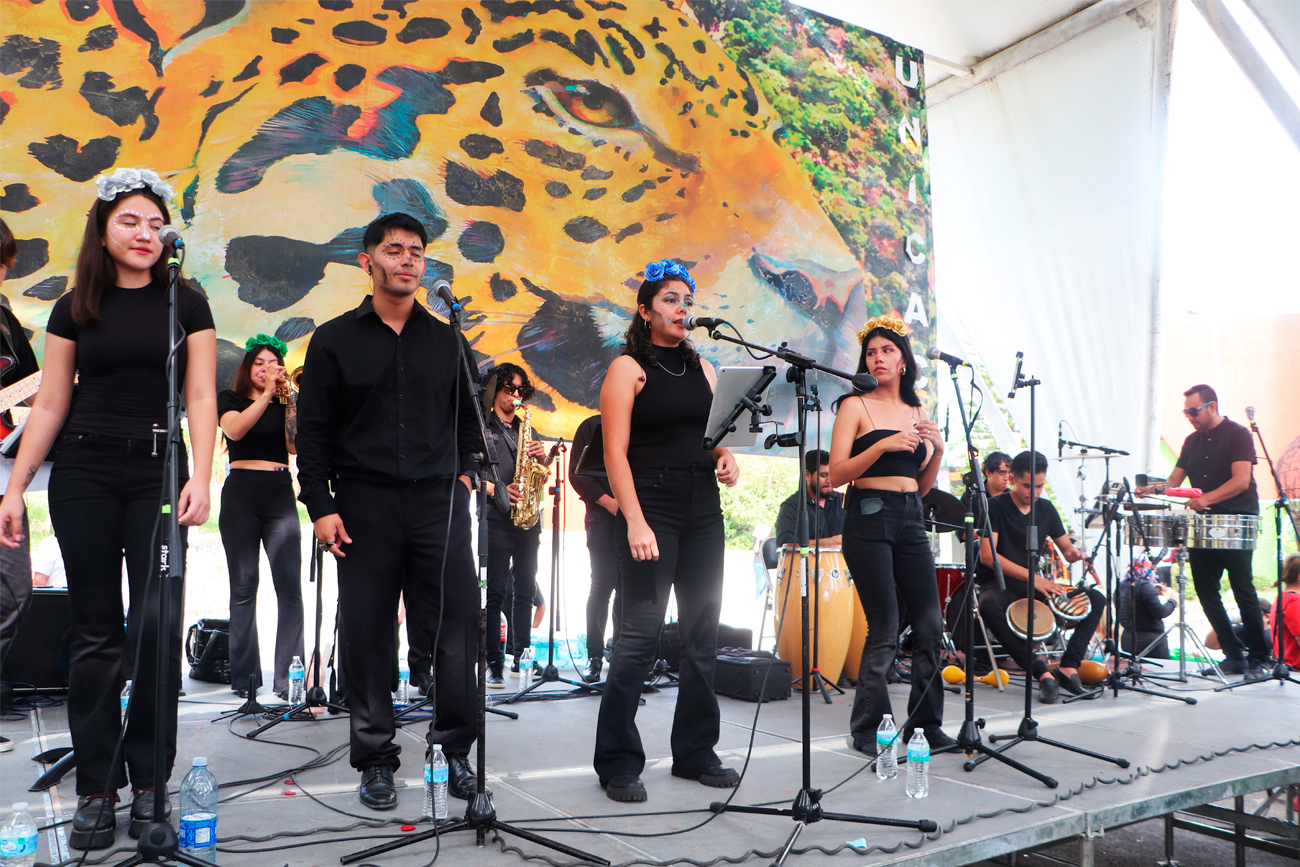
(865, 382)
(171, 237)
(1060, 440)
(690, 323)
(442, 289)
(935, 355)
(1250, 416)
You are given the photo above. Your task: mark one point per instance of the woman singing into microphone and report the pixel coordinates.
(258, 510)
(886, 447)
(654, 407)
(112, 331)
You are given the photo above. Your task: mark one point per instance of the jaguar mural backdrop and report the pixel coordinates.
(551, 147)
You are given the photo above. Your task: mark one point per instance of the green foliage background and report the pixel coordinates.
(764, 484)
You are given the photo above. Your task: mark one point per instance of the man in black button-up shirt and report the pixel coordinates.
(385, 419)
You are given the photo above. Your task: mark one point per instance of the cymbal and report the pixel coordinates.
(943, 508)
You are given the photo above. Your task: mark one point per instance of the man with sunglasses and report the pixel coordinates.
(1219, 458)
(512, 551)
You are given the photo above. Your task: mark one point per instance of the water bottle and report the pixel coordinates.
(526, 668)
(918, 766)
(297, 682)
(198, 801)
(18, 839)
(887, 749)
(403, 697)
(435, 784)
(126, 699)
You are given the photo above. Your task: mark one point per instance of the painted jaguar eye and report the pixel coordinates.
(587, 101)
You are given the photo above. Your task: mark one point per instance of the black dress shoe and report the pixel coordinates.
(423, 682)
(142, 812)
(593, 670)
(939, 741)
(378, 792)
(717, 777)
(1049, 691)
(462, 781)
(95, 823)
(1070, 684)
(625, 787)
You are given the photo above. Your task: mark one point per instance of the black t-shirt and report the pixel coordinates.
(1012, 528)
(19, 362)
(1207, 458)
(265, 439)
(122, 359)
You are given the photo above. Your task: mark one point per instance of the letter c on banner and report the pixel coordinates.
(915, 251)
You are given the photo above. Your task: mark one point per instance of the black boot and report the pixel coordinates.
(95, 823)
(593, 670)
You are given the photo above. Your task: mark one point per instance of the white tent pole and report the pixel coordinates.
(1166, 21)
(1027, 49)
(1239, 46)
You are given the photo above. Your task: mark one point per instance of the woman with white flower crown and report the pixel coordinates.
(111, 331)
(654, 408)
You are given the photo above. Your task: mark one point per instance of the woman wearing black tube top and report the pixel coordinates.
(258, 510)
(885, 445)
(669, 535)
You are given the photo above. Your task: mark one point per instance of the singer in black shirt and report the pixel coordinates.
(385, 419)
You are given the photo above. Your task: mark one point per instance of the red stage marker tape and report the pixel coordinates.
(408, 827)
(290, 792)
(1182, 492)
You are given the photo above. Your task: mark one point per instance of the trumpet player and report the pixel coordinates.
(512, 549)
(386, 459)
(259, 417)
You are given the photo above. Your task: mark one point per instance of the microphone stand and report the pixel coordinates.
(480, 813)
(968, 739)
(1280, 672)
(1028, 730)
(159, 842)
(551, 674)
(806, 808)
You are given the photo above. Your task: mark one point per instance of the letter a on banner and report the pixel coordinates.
(916, 310)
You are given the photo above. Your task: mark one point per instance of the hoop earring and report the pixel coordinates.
(904, 370)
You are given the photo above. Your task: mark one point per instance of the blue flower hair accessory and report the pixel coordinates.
(268, 341)
(666, 269)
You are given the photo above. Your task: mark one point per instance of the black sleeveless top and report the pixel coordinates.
(265, 439)
(670, 415)
(904, 464)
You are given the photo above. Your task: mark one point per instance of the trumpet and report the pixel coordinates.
(285, 387)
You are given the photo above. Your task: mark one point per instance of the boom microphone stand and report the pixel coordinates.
(159, 842)
(1280, 671)
(551, 674)
(968, 739)
(806, 808)
(1028, 730)
(480, 814)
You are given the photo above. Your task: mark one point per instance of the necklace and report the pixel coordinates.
(669, 372)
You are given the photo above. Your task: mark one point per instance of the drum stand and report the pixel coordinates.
(1281, 673)
(1184, 630)
(1028, 729)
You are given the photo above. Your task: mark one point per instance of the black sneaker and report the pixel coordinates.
(1228, 666)
(494, 678)
(514, 668)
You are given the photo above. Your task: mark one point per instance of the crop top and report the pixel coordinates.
(904, 464)
(264, 441)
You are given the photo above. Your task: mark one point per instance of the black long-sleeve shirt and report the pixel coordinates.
(380, 406)
(590, 488)
(1151, 609)
(825, 521)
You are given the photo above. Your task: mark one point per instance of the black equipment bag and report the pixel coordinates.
(207, 649)
(742, 677)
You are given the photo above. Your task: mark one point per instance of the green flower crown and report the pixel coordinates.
(267, 340)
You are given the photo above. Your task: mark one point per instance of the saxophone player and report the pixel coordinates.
(512, 549)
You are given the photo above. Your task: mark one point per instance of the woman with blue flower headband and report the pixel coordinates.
(111, 332)
(654, 407)
(258, 510)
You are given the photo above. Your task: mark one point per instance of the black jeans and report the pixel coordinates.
(104, 500)
(395, 528)
(15, 588)
(258, 509)
(683, 508)
(512, 574)
(603, 552)
(889, 557)
(993, 608)
(1207, 570)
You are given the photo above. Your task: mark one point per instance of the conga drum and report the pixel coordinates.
(833, 621)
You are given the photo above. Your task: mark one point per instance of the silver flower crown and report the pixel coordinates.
(112, 185)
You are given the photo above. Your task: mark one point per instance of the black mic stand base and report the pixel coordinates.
(551, 674)
(315, 698)
(1280, 673)
(969, 742)
(818, 682)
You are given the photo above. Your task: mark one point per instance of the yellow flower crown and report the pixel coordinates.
(893, 323)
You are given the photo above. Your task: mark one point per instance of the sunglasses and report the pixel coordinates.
(523, 392)
(1194, 411)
